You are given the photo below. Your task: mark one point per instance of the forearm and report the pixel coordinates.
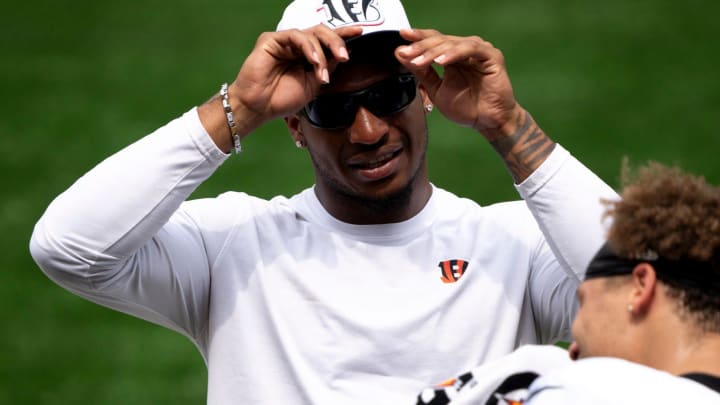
(521, 144)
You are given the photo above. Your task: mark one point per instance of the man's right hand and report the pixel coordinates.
(275, 81)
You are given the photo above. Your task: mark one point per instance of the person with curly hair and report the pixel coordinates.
(651, 295)
(648, 326)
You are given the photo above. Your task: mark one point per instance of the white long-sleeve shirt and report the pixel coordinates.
(289, 305)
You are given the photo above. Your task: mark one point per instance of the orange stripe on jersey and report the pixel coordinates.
(447, 383)
(447, 271)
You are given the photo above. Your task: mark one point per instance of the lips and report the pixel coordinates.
(376, 166)
(374, 162)
(574, 351)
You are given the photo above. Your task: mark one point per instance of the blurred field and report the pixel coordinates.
(81, 79)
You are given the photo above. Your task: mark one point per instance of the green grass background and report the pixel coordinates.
(81, 79)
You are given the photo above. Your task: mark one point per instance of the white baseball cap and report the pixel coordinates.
(381, 20)
(372, 15)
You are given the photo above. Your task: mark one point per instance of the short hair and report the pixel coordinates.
(676, 215)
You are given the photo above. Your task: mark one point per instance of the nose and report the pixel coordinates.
(367, 128)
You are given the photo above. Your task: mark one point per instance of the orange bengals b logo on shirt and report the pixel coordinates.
(452, 270)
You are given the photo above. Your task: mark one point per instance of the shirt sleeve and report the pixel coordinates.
(110, 237)
(565, 198)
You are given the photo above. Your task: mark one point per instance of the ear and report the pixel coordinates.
(293, 123)
(644, 284)
(425, 98)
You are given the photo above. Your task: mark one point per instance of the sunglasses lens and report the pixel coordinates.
(335, 111)
(392, 97)
(332, 111)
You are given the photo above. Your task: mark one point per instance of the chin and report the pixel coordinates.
(389, 198)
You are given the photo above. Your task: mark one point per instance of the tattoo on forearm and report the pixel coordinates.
(524, 150)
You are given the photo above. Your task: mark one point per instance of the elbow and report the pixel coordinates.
(56, 257)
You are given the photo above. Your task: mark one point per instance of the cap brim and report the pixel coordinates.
(375, 47)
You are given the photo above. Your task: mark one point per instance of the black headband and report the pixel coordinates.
(683, 273)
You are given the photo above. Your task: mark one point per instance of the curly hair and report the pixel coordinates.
(676, 215)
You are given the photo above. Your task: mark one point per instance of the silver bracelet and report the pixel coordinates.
(229, 116)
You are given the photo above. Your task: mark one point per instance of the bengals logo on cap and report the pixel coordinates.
(452, 270)
(340, 13)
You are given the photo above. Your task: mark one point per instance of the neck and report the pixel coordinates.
(699, 356)
(396, 207)
(675, 346)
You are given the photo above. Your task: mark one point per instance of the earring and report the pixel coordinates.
(428, 107)
(630, 308)
(299, 144)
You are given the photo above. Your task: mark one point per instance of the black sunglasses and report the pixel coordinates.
(338, 110)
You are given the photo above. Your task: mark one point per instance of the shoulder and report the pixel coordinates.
(510, 218)
(232, 208)
(616, 381)
(451, 204)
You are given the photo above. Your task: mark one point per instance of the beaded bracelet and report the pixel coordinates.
(229, 116)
